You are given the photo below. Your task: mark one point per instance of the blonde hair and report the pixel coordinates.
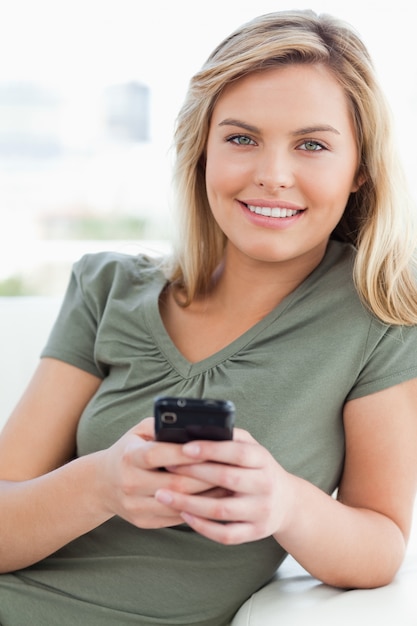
(378, 218)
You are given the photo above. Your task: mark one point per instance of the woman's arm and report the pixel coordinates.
(356, 541)
(361, 538)
(42, 507)
(39, 436)
(47, 499)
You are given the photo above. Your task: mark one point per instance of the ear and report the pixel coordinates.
(359, 179)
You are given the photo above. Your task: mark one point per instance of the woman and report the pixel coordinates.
(292, 294)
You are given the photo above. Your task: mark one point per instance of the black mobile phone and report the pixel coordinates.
(181, 419)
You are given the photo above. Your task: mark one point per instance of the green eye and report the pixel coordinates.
(241, 140)
(312, 146)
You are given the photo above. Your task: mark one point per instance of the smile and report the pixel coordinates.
(272, 212)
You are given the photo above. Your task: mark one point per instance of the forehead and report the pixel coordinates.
(303, 90)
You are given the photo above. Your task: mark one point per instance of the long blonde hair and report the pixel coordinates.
(378, 219)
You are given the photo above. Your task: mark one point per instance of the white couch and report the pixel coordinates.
(293, 597)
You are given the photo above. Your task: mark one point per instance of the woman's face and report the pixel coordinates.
(281, 161)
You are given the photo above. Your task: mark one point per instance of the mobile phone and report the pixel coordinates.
(180, 419)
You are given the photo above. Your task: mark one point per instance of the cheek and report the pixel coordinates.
(219, 179)
(225, 175)
(331, 187)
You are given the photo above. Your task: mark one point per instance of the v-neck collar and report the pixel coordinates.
(188, 369)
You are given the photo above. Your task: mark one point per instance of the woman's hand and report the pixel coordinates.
(257, 492)
(131, 474)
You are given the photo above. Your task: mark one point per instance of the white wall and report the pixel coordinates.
(24, 327)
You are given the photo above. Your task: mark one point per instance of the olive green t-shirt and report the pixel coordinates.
(289, 376)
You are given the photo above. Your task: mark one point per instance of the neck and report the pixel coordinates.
(244, 283)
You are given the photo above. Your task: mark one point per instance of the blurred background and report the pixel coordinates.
(89, 92)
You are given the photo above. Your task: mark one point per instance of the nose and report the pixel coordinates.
(274, 171)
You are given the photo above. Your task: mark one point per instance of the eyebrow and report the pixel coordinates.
(301, 131)
(244, 125)
(316, 129)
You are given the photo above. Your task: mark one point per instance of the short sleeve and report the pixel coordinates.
(390, 358)
(74, 333)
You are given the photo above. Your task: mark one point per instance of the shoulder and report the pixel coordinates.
(111, 263)
(332, 303)
(103, 290)
(330, 289)
(335, 290)
(105, 271)
(338, 263)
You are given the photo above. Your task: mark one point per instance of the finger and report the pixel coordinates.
(227, 534)
(216, 492)
(147, 513)
(227, 509)
(233, 479)
(238, 453)
(182, 484)
(243, 435)
(145, 429)
(155, 480)
(151, 455)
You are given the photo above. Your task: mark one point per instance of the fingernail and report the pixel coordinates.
(163, 496)
(192, 449)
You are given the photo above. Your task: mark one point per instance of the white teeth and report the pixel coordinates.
(275, 212)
